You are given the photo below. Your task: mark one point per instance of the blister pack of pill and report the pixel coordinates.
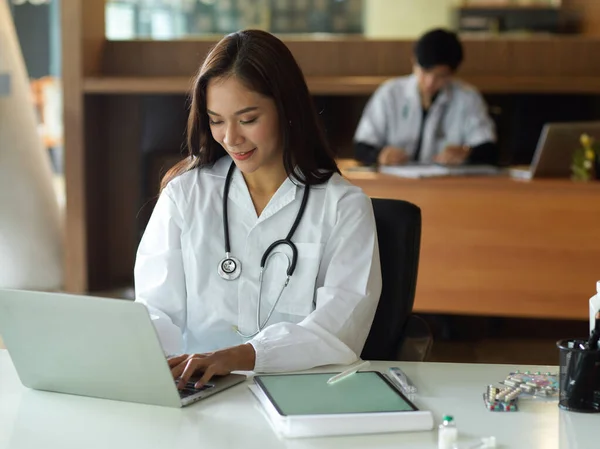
(501, 399)
(539, 385)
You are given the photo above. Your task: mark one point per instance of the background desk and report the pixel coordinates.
(499, 247)
(233, 419)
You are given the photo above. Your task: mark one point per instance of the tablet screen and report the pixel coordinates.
(310, 394)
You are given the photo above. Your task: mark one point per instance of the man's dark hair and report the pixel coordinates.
(439, 47)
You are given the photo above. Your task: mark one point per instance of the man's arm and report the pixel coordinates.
(366, 153)
(484, 153)
(371, 134)
(479, 132)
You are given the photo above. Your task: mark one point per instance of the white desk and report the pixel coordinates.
(233, 419)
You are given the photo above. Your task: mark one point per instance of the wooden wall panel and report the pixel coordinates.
(113, 178)
(96, 198)
(74, 164)
(123, 186)
(348, 57)
(508, 57)
(93, 33)
(82, 26)
(587, 12)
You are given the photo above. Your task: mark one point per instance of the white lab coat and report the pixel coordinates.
(324, 314)
(393, 116)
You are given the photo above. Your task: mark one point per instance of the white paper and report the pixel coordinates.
(432, 171)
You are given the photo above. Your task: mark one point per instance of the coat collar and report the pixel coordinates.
(240, 195)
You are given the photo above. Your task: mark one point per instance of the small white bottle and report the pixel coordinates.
(594, 307)
(447, 433)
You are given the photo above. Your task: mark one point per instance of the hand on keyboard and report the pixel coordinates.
(190, 389)
(218, 363)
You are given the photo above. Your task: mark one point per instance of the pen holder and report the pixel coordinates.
(579, 377)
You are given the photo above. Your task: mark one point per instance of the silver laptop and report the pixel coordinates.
(89, 346)
(555, 148)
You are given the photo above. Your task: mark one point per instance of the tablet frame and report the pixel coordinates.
(259, 383)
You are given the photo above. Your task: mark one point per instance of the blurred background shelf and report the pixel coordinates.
(332, 85)
(351, 85)
(136, 85)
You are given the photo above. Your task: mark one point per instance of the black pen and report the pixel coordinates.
(593, 341)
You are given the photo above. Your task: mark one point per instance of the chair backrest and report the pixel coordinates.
(399, 234)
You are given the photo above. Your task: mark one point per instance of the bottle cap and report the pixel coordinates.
(448, 418)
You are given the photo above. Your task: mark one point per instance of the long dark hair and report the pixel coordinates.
(264, 65)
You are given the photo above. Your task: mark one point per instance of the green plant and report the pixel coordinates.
(583, 165)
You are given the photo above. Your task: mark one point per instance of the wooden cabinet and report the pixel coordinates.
(499, 247)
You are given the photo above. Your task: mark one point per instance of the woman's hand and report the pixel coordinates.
(218, 363)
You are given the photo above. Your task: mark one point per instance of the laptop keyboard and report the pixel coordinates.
(190, 390)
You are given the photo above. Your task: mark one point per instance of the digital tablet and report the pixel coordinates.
(310, 394)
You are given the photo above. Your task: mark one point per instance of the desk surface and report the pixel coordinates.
(233, 419)
(496, 246)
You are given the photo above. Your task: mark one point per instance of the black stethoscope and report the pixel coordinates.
(230, 268)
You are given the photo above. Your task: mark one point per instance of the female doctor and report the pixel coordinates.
(258, 255)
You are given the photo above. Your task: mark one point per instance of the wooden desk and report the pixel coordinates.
(233, 419)
(499, 247)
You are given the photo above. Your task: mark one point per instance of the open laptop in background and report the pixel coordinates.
(555, 148)
(89, 346)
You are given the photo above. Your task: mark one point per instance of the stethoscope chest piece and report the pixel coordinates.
(230, 268)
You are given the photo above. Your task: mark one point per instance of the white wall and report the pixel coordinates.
(406, 18)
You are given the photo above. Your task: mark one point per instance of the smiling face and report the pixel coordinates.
(246, 124)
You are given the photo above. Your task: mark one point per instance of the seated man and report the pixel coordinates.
(427, 116)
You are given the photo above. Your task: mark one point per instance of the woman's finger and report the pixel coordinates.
(191, 366)
(209, 372)
(179, 363)
(177, 371)
(174, 361)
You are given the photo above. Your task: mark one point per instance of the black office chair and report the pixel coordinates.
(397, 334)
